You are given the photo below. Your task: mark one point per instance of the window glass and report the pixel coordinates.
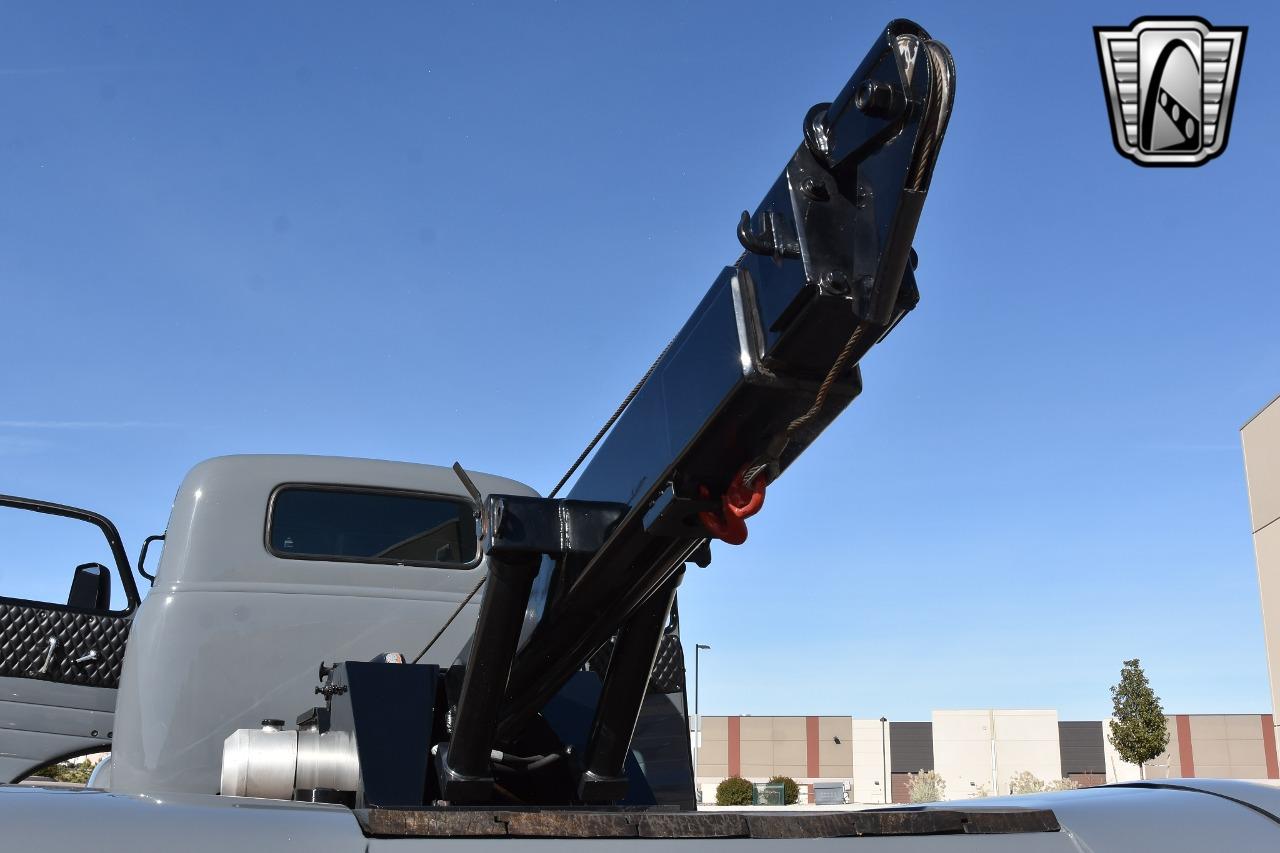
(57, 560)
(343, 524)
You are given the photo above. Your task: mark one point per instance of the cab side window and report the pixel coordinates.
(369, 525)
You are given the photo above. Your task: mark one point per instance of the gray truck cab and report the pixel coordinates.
(270, 564)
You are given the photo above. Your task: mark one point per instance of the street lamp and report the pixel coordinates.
(884, 759)
(697, 650)
(697, 716)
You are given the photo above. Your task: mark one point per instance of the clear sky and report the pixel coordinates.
(443, 231)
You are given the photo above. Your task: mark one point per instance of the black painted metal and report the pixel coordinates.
(389, 709)
(90, 588)
(752, 356)
(518, 531)
(463, 764)
(142, 556)
(766, 361)
(518, 524)
(625, 684)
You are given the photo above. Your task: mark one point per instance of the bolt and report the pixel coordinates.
(836, 282)
(814, 189)
(874, 98)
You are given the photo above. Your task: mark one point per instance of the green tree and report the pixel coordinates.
(1138, 732)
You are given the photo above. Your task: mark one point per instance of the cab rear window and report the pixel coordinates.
(374, 526)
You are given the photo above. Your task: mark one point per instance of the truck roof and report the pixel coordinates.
(219, 515)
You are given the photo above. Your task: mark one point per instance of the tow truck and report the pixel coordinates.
(344, 654)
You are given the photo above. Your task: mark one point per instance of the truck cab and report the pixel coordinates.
(270, 564)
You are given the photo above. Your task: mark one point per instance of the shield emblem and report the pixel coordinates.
(1170, 85)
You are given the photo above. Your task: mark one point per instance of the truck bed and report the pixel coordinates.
(1173, 816)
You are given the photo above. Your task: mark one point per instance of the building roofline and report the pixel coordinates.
(1254, 416)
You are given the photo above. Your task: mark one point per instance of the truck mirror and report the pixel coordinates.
(90, 587)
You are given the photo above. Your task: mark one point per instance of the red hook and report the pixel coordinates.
(739, 502)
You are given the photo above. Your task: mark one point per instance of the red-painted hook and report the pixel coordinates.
(744, 500)
(739, 502)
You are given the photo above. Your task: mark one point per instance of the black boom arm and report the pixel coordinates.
(766, 361)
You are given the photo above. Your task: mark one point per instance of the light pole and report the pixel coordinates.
(697, 650)
(697, 716)
(884, 759)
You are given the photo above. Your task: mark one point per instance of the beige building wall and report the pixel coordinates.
(773, 746)
(872, 758)
(712, 760)
(808, 749)
(962, 751)
(972, 747)
(1228, 746)
(835, 748)
(1027, 741)
(1261, 439)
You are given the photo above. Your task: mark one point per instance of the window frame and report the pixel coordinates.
(124, 571)
(368, 490)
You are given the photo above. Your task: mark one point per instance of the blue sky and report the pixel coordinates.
(435, 232)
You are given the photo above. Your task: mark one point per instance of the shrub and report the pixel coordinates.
(790, 790)
(734, 791)
(76, 770)
(926, 787)
(1025, 783)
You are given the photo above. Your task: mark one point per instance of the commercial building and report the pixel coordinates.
(1261, 439)
(977, 753)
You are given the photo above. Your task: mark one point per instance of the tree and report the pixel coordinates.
(1138, 731)
(734, 791)
(790, 790)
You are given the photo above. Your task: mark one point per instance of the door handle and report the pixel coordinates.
(48, 657)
